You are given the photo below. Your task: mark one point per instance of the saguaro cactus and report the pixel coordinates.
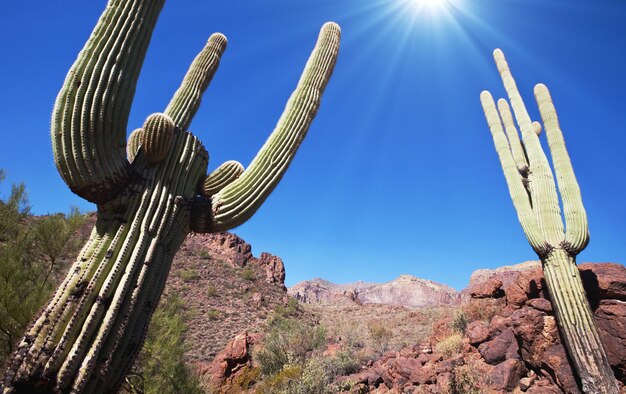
(534, 194)
(88, 335)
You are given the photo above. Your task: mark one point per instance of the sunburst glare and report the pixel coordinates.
(425, 9)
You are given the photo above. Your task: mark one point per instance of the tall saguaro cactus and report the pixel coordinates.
(88, 335)
(534, 194)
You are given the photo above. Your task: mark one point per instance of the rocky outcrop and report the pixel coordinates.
(274, 269)
(484, 283)
(229, 364)
(517, 350)
(406, 290)
(226, 289)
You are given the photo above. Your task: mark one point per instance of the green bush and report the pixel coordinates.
(23, 289)
(466, 380)
(380, 335)
(450, 345)
(288, 342)
(187, 274)
(160, 367)
(213, 314)
(211, 290)
(248, 274)
(312, 376)
(459, 322)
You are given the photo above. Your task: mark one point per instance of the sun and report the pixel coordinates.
(425, 8)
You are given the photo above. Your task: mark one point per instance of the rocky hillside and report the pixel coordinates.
(405, 291)
(226, 289)
(517, 348)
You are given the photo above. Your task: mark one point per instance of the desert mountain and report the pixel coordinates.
(406, 290)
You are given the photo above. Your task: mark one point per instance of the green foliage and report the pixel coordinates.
(22, 289)
(313, 376)
(213, 314)
(459, 321)
(450, 345)
(282, 312)
(246, 378)
(380, 335)
(160, 367)
(248, 274)
(211, 290)
(466, 380)
(290, 361)
(188, 274)
(55, 236)
(289, 341)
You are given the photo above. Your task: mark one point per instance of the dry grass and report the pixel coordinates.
(358, 327)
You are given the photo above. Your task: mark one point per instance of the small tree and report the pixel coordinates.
(54, 236)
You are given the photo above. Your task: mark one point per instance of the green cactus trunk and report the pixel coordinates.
(150, 194)
(92, 329)
(575, 321)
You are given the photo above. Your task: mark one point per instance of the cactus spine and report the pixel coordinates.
(88, 335)
(534, 194)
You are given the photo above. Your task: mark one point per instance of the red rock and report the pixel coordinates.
(495, 351)
(541, 304)
(543, 386)
(477, 332)
(609, 278)
(499, 324)
(232, 359)
(555, 361)
(423, 375)
(527, 324)
(490, 288)
(610, 319)
(515, 295)
(405, 366)
(506, 375)
(274, 268)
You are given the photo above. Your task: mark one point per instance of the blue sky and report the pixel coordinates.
(398, 173)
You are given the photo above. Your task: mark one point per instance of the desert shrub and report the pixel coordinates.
(213, 314)
(288, 342)
(284, 381)
(203, 253)
(54, 236)
(380, 335)
(187, 274)
(246, 378)
(466, 380)
(451, 345)
(459, 321)
(481, 309)
(248, 274)
(23, 290)
(211, 290)
(160, 367)
(313, 376)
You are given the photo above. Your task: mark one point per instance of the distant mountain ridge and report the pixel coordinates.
(406, 290)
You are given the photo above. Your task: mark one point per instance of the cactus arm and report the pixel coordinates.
(514, 178)
(537, 128)
(541, 182)
(133, 144)
(91, 110)
(186, 100)
(576, 225)
(238, 201)
(519, 154)
(222, 176)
